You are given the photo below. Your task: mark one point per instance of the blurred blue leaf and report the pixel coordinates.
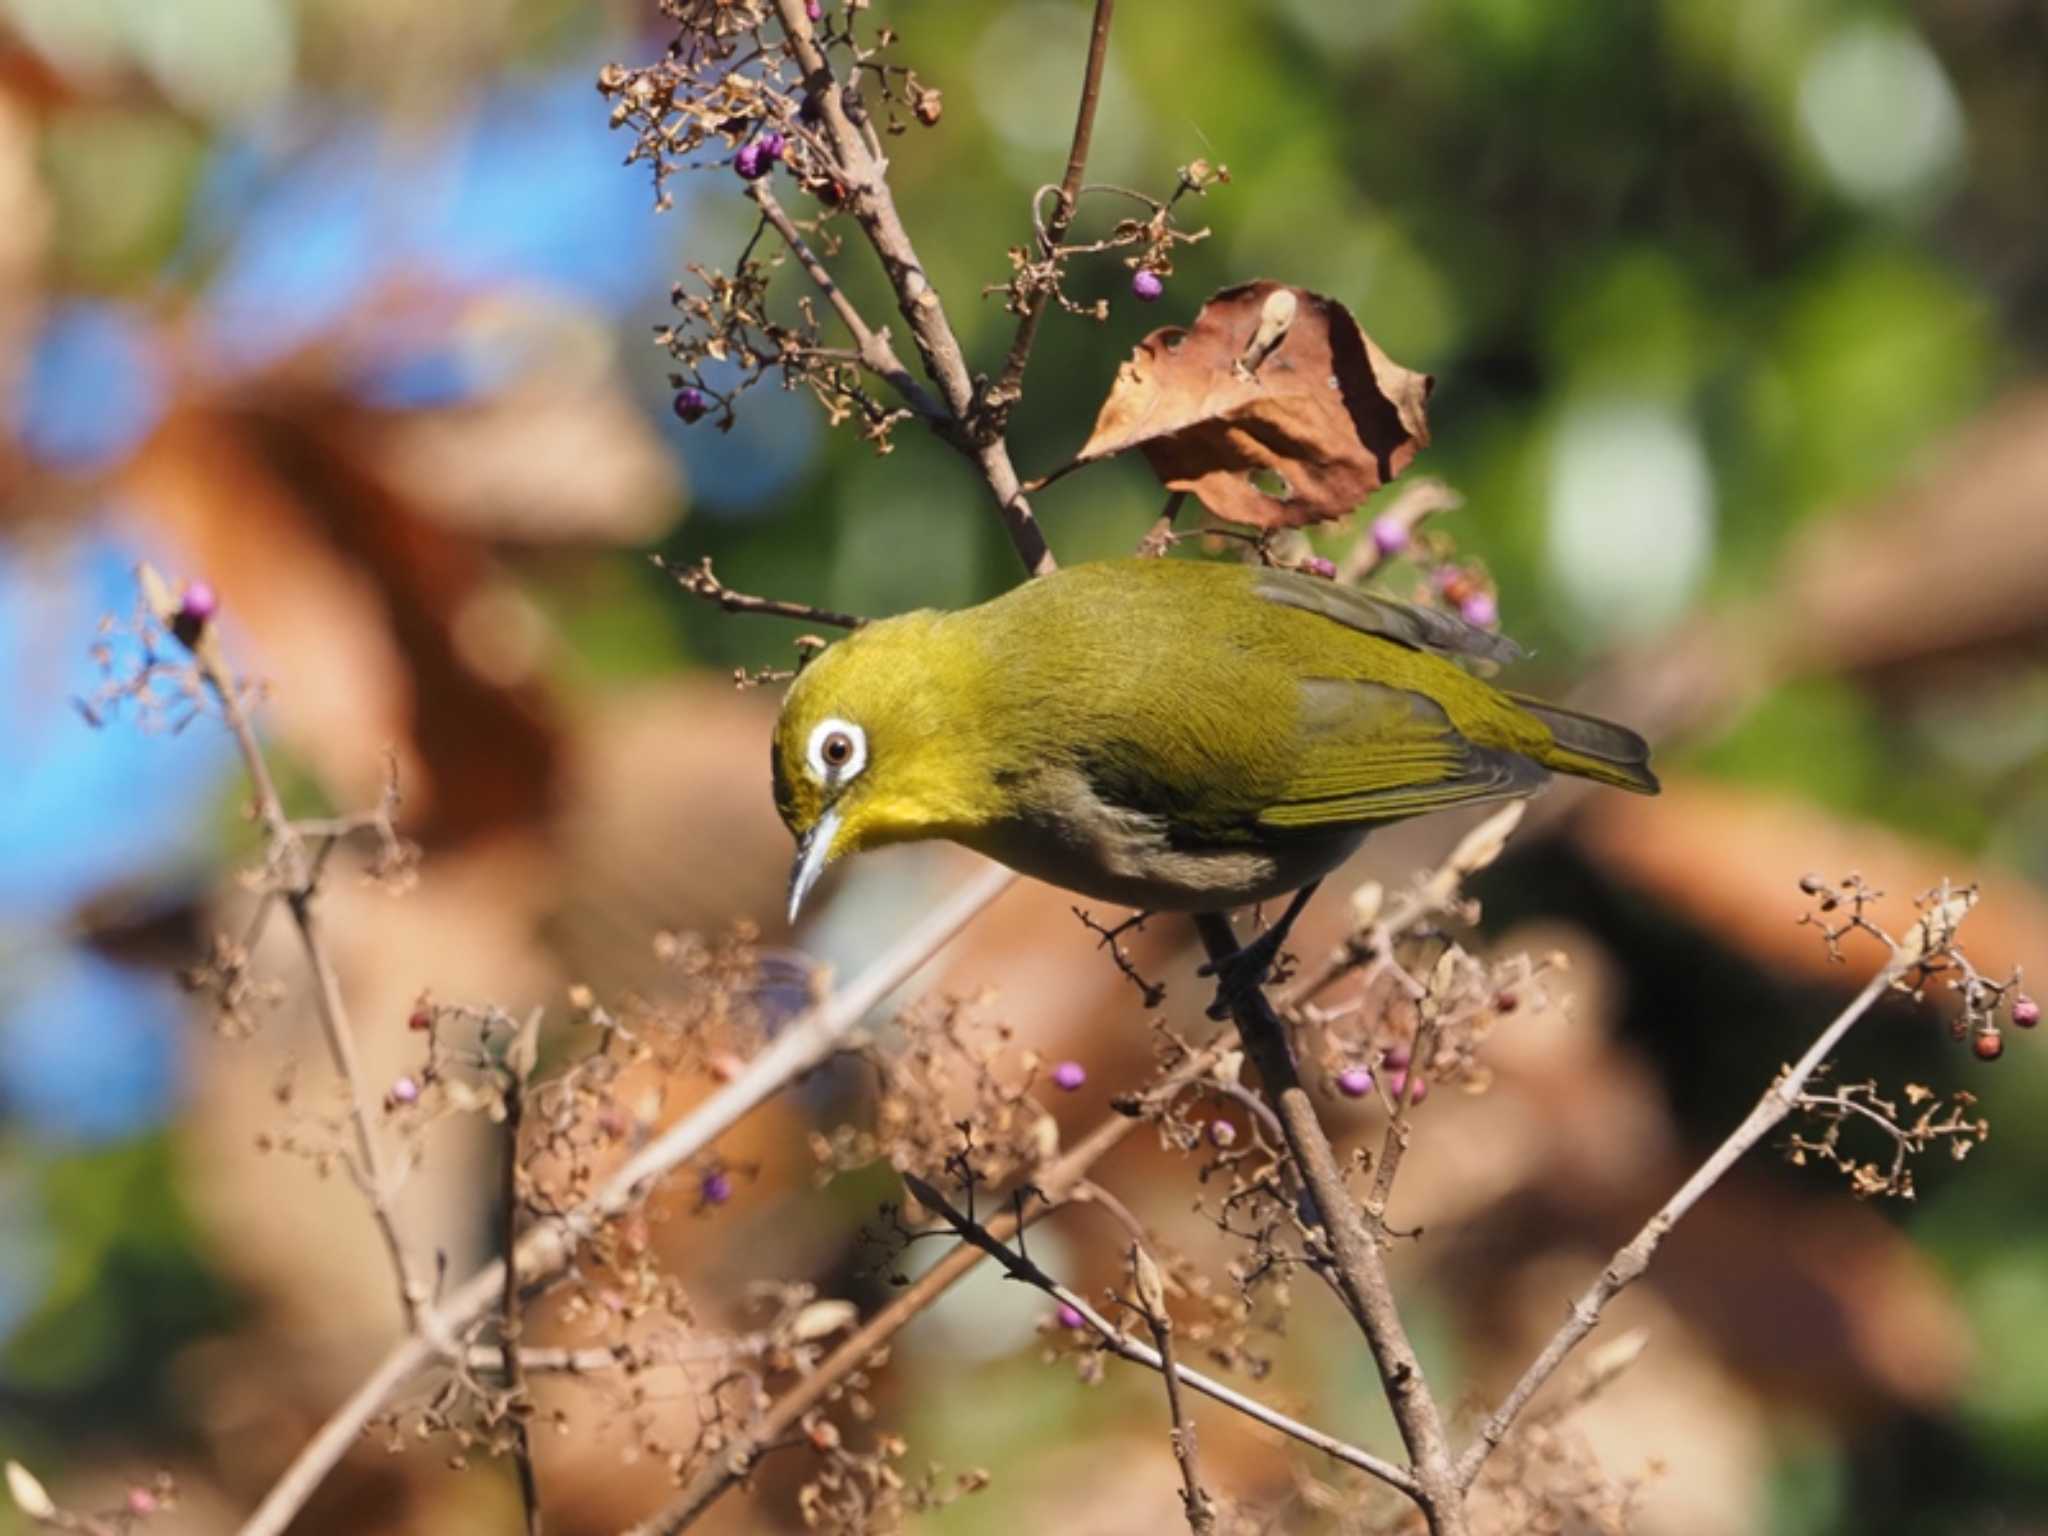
(88, 1049)
(92, 390)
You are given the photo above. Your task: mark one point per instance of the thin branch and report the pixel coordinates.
(518, 1405)
(547, 1247)
(876, 354)
(992, 1240)
(698, 581)
(1361, 1267)
(873, 206)
(297, 878)
(1200, 1509)
(1399, 1127)
(1010, 382)
(1633, 1259)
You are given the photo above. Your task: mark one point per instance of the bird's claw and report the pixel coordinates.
(1242, 972)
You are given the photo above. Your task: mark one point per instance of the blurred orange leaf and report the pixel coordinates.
(1274, 408)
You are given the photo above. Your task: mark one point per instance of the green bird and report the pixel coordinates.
(1167, 735)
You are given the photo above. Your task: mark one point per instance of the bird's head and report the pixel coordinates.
(877, 744)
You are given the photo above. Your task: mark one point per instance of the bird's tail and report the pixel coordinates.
(1593, 748)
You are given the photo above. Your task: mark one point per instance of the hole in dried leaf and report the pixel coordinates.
(1271, 482)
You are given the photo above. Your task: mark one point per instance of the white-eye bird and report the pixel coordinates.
(1169, 734)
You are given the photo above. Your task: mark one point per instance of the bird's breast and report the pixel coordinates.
(1067, 835)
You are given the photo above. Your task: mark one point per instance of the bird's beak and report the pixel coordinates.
(813, 853)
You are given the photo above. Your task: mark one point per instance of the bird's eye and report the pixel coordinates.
(837, 750)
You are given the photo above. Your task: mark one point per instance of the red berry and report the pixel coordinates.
(1988, 1044)
(421, 1021)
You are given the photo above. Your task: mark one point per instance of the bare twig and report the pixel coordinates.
(873, 206)
(876, 353)
(296, 876)
(547, 1246)
(1201, 1511)
(1361, 1267)
(1009, 383)
(992, 1239)
(518, 1405)
(698, 581)
(1633, 1259)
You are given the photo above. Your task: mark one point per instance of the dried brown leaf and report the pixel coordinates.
(1275, 433)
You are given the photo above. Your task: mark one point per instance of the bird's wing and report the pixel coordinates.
(1421, 628)
(1370, 752)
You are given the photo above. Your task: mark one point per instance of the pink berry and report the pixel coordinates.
(141, 1502)
(716, 1187)
(1354, 1082)
(1394, 1058)
(1399, 1085)
(405, 1091)
(1222, 1132)
(199, 603)
(1069, 1075)
(2025, 1011)
(1316, 565)
(1389, 535)
(814, 10)
(1070, 1316)
(1480, 610)
(1147, 284)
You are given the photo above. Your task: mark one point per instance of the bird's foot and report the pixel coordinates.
(1243, 971)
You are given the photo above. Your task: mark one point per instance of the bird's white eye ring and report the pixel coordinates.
(837, 750)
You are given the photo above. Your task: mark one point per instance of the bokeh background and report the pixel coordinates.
(1739, 311)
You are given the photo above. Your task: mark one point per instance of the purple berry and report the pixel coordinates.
(1147, 284)
(405, 1091)
(2025, 1011)
(1389, 535)
(751, 163)
(199, 603)
(716, 1187)
(1070, 1316)
(1316, 565)
(814, 10)
(1480, 610)
(773, 145)
(1394, 1058)
(1222, 1132)
(690, 404)
(1354, 1082)
(1069, 1075)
